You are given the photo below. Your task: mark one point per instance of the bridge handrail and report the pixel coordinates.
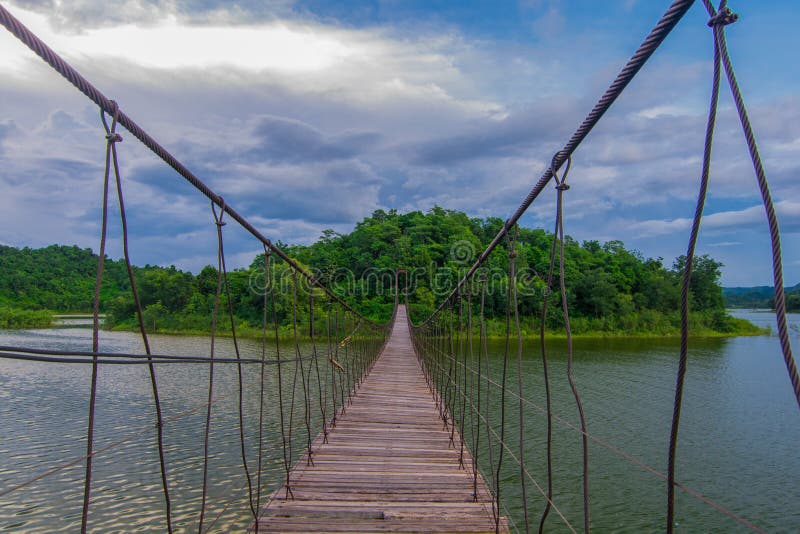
(653, 40)
(21, 32)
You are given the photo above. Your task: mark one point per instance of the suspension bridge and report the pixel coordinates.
(387, 427)
(389, 465)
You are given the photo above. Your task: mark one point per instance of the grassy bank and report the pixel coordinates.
(646, 325)
(17, 318)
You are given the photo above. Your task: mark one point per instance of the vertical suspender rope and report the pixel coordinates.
(685, 287)
(462, 349)
(545, 376)
(214, 315)
(512, 287)
(261, 381)
(502, 439)
(297, 365)
(560, 188)
(315, 359)
(240, 384)
(111, 138)
(484, 354)
(285, 436)
(475, 421)
(140, 317)
(331, 360)
(725, 17)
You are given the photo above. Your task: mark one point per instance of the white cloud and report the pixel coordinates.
(662, 110)
(170, 44)
(726, 244)
(302, 123)
(753, 217)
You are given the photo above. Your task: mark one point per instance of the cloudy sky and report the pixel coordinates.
(311, 114)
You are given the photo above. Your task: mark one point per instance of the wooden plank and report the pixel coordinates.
(388, 464)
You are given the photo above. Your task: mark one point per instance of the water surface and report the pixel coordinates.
(738, 439)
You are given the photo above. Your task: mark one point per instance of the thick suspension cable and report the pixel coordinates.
(654, 39)
(21, 32)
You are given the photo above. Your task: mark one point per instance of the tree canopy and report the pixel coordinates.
(609, 287)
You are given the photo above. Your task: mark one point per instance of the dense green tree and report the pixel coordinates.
(609, 288)
(706, 293)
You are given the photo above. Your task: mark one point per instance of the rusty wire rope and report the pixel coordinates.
(434, 364)
(21, 32)
(115, 138)
(111, 138)
(663, 27)
(444, 358)
(719, 19)
(513, 305)
(718, 22)
(214, 316)
(240, 385)
(561, 187)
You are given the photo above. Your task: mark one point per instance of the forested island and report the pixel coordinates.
(760, 297)
(611, 290)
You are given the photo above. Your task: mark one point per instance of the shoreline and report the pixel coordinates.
(247, 334)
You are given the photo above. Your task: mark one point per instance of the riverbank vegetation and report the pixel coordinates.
(611, 290)
(20, 318)
(760, 297)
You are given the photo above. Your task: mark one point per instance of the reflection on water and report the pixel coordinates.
(739, 431)
(738, 439)
(43, 412)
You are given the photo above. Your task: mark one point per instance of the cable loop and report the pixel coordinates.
(111, 135)
(218, 219)
(561, 184)
(723, 17)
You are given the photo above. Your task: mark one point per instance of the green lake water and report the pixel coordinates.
(738, 441)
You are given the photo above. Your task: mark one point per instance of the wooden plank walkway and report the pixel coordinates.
(388, 465)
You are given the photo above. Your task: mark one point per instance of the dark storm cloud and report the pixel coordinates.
(331, 193)
(281, 139)
(406, 123)
(519, 134)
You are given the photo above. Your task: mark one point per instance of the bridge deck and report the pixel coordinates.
(388, 465)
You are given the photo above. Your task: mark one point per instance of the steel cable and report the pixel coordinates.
(514, 306)
(240, 385)
(111, 138)
(561, 187)
(766, 196)
(140, 317)
(685, 288)
(219, 224)
(21, 32)
(666, 23)
(618, 452)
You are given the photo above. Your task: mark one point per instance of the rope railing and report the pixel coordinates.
(106, 105)
(653, 40)
(305, 395)
(476, 372)
(440, 344)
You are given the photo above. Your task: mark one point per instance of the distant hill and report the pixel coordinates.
(759, 297)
